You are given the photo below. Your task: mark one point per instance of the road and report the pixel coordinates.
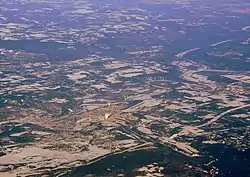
(223, 114)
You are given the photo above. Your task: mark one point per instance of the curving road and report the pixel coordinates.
(222, 114)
